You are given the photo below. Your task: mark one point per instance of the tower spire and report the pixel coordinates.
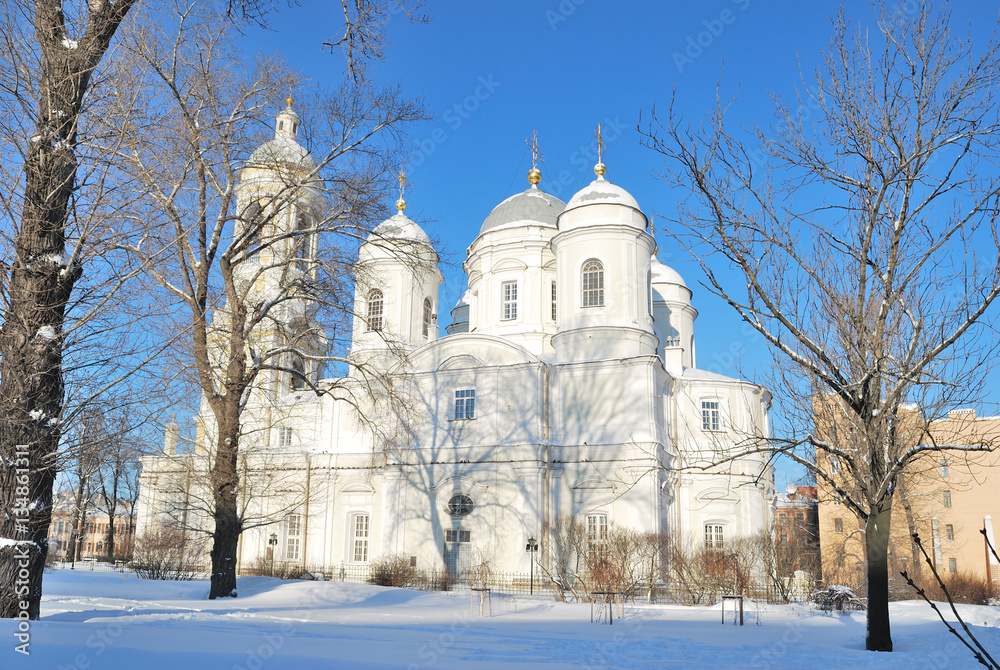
(600, 169)
(401, 204)
(534, 174)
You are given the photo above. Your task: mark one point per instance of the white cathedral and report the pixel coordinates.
(566, 387)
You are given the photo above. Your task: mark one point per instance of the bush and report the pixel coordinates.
(964, 588)
(393, 571)
(264, 567)
(167, 553)
(837, 598)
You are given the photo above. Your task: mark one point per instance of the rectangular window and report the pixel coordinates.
(465, 404)
(947, 499)
(292, 538)
(553, 301)
(457, 535)
(834, 465)
(284, 436)
(597, 535)
(508, 291)
(361, 538)
(709, 415)
(949, 532)
(838, 525)
(952, 565)
(714, 536)
(944, 468)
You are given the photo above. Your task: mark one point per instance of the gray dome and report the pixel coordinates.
(601, 191)
(533, 206)
(281, 151)
(400, 227)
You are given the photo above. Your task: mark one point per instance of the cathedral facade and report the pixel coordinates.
(566, 387)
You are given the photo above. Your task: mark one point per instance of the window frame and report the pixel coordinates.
(293, 538)
(552, 298)
(715, 535)
(944, 467)
(597, 528)
(297, 377)
(711, 423)
(464, 407)
(508, 300)
(375, 310)
(949, 531)
(428, 317)
(946, 499)
(285, 434)
(360, 542)
(460, 504)
(838, 525)
(592, 284)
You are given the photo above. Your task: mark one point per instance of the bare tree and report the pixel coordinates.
(255, 265)
(865, 243)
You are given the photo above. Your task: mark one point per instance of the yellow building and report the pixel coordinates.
(947, 497)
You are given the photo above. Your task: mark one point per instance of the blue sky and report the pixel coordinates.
(492, 72)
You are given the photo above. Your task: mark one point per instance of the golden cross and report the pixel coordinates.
(402, 183)
(536, 155)
(600, 144)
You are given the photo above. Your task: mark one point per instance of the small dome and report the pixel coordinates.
(601, 191)
(400, 227)
(281, 151)
(663, 274)
(533, 206)
(465, 299)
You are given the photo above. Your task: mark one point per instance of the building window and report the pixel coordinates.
(375, 309)
(952, 565)
(302, 240)
(460, 505)
(944, 468)
(949, 531)
(298, 374)
(508, 294)
(838, 525)
(293, 531)
(597, 535)
(465, 404)
(360, 525)
(710, 415)
(457, 535)
(947, 499)
(284, 436)
(714, 536)
(428, 315)
(834, 465)
(593, 284)
(254, 224)
(553, 300)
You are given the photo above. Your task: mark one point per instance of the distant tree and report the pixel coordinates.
(863, 233)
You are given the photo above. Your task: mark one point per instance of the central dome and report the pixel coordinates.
(532, 206)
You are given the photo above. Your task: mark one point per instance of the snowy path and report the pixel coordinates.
(111, 620)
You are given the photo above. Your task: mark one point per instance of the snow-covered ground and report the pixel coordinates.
(112, 620)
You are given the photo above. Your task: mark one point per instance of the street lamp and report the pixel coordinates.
(531, 548)
(273, 542)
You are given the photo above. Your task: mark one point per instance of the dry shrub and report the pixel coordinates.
(167, 553)
(964, 588)
(393, 571)
(265, 567)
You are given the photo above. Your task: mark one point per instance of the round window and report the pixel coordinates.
(460, 505)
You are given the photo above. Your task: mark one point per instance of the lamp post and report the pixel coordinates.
(531, 548)
(273, 542)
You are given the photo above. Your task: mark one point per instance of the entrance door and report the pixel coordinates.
(457, 552)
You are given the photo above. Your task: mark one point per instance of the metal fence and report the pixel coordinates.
(442, 580)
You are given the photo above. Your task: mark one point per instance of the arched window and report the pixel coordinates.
(298, 381)
(593, 283)
(302, 240)
(428, 315)
(375, 309)
(253, 223)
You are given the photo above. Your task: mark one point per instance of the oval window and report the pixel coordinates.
(460, 505)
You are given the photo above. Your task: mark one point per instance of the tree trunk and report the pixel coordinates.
(228, 525)
(109, 538)
(877, 547)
